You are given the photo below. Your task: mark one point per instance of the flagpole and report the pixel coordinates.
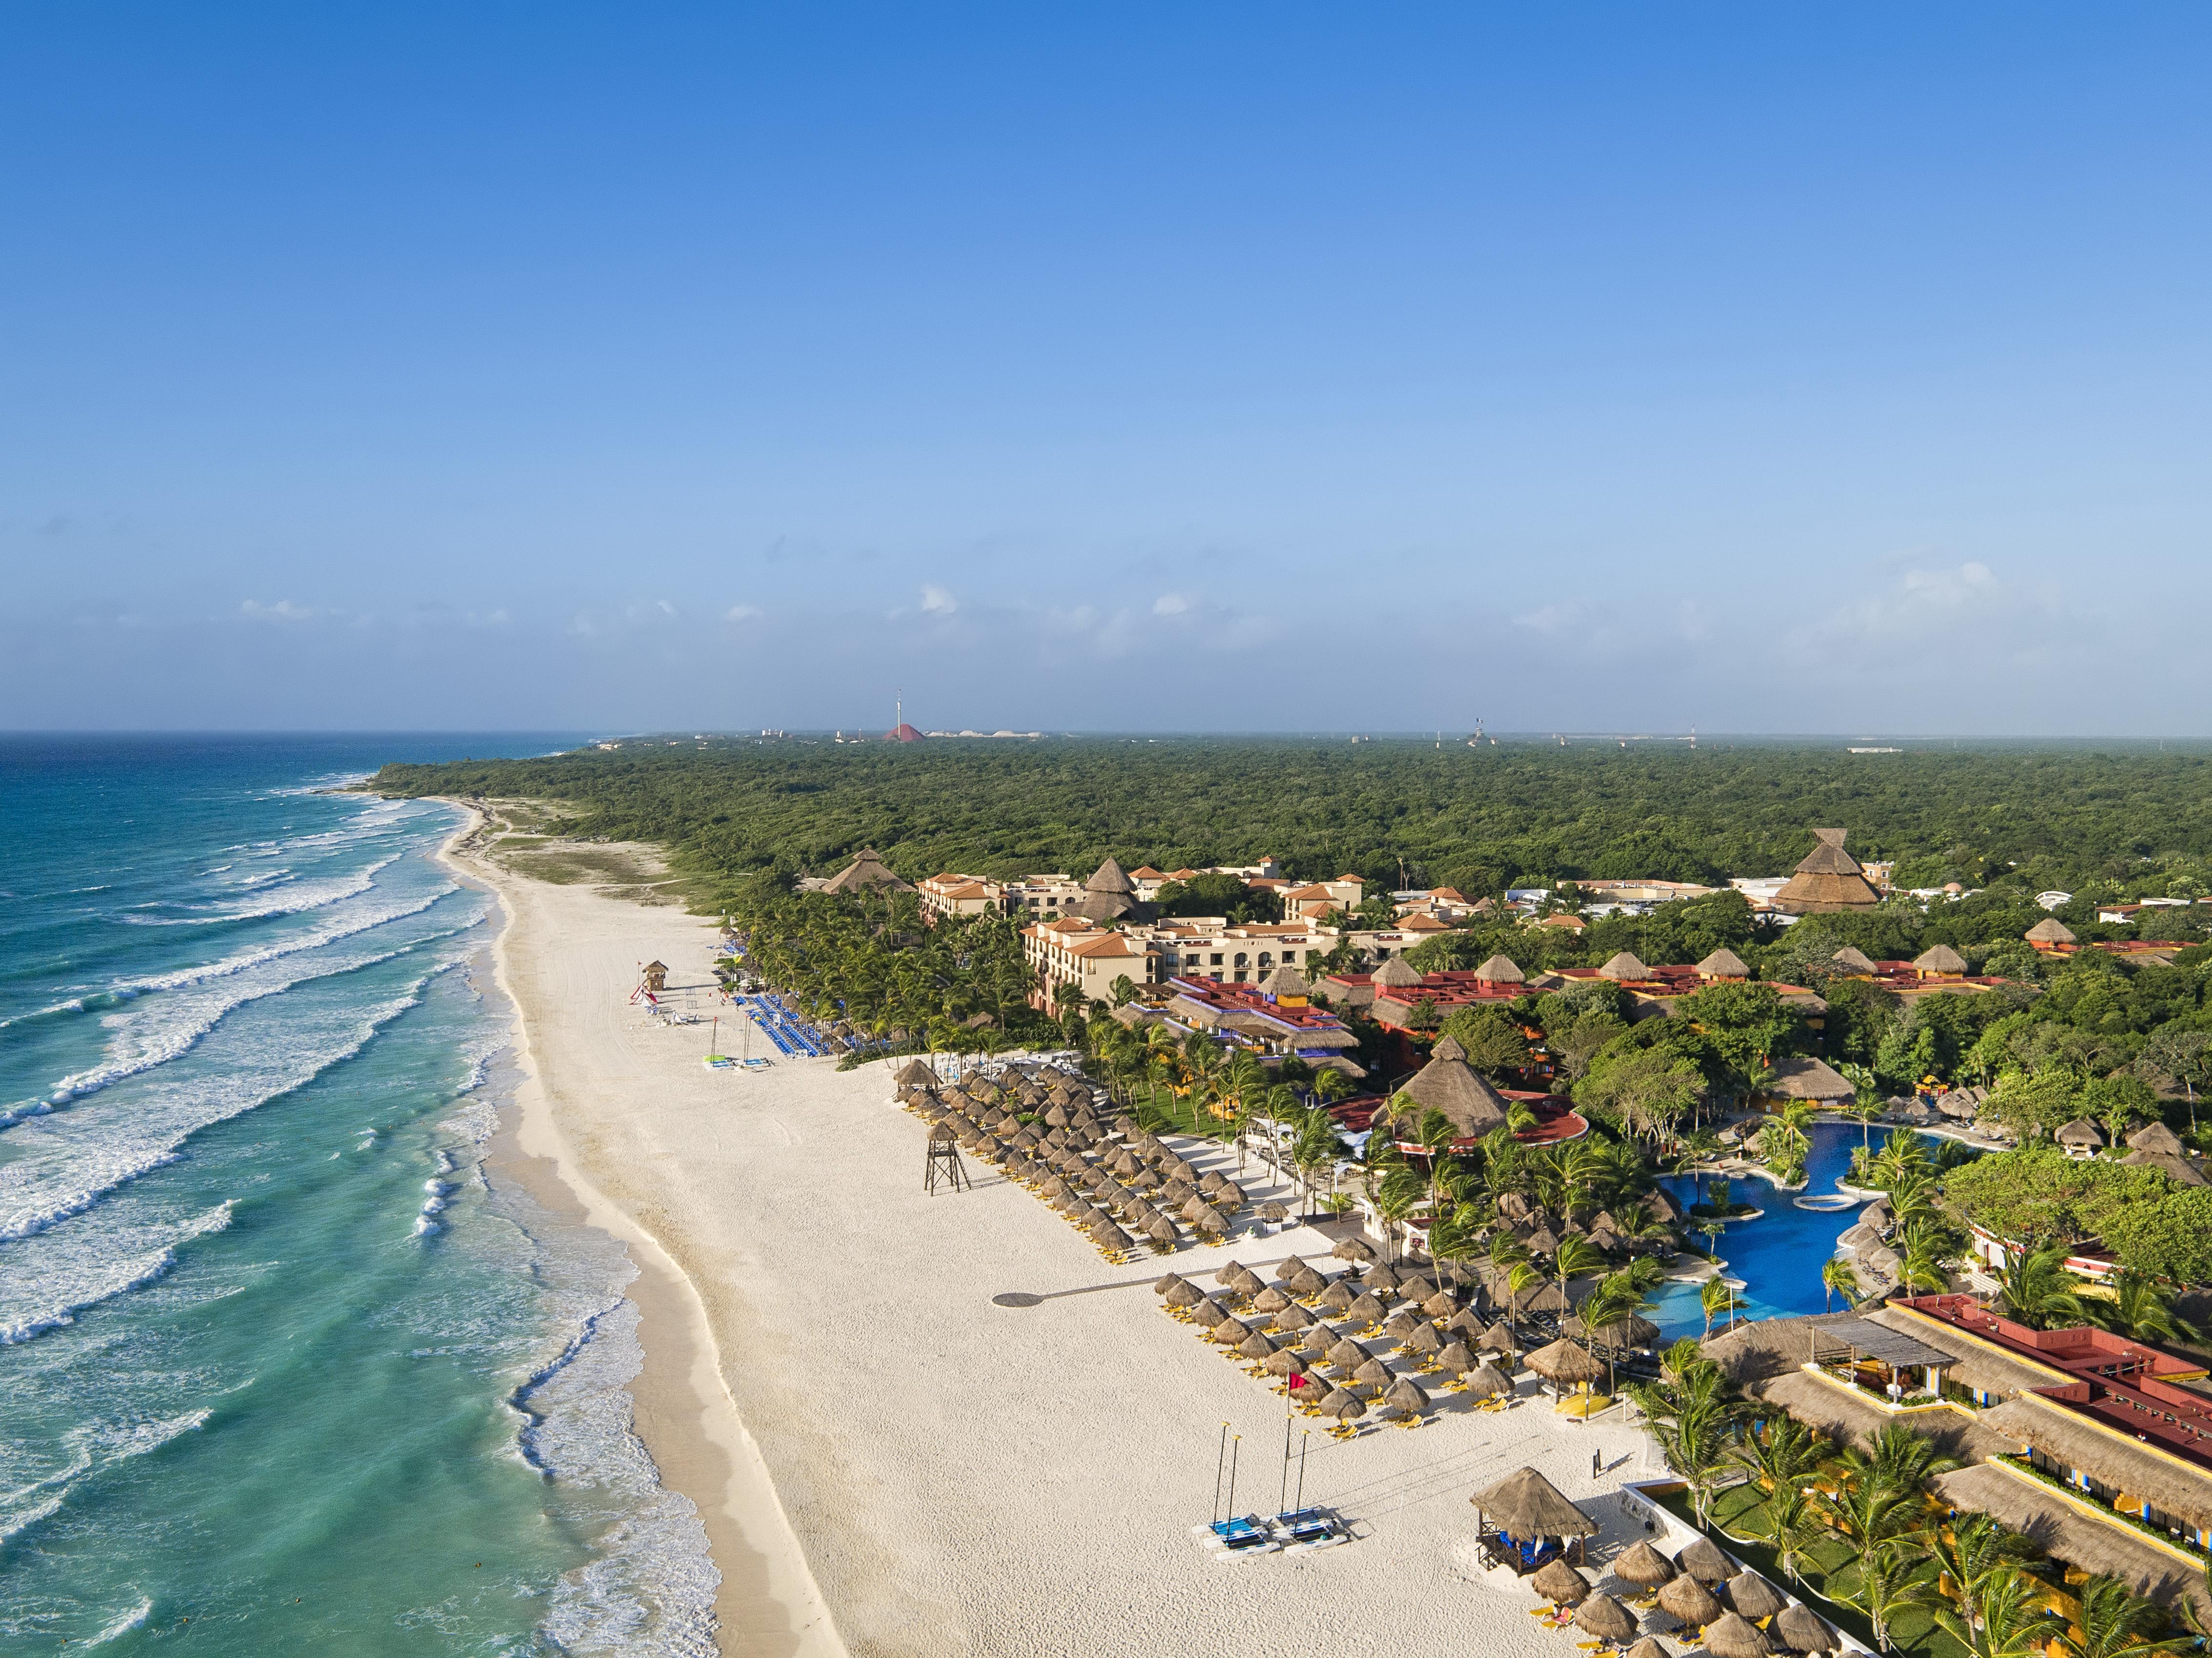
(1302, 1442)
(1219, 1455)
(1283, 1489)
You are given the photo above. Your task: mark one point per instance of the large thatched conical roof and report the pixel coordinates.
(2050, 931)
(1941, 959)
(1723, 963)
(1754, 1596)
(1624, 967)
(1799, 1629)
(1397, 974)
(1286, 980)
(865, 873)
(1499, 970)
(1829, 879)
(1524, 1504)
(1448, 1084)
(1110, 896)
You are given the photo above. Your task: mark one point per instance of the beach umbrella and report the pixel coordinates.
(1207, 1311)
(1729, 1637)
(1402, 1323)
(1754, 1596)
(1560, 1583)
(1162, 1232)
(1606, 1617)
(1643, 1566)
(1110, 1236)
(1173, 1283)
(1563, 1364)
(1443, 1304)
(1055, 1117)
(1547, 1297)
(1271, 1210)
(1455, 1358)
(1288, 1269)
(1379, 1279)
(1293, 1317)
(1424, 1339)
(1283, 1361)
(1354, 1248)
(1256, 1346)
(1317, 1342)
(1211, 1224)
(1415, 1288)
(1488, 1382)
(1175, 1193)
(1248, 1283)
(1649, 1647)
(1347, 1354)
(1338, 1297)
(1229, 1195)
(1343, 1404)
(1372, 1374)
(1406, 1395)
(1367, 1310)
(1018, 1168)
(1145, 1181)
(1705, 1562)
(1800, 1629)
(1497, 1339)
(1271, 1300)
(1191, 1210)
(1689, 1600)
(1229, 1332)
(1306, 1282)
(1212, 1181)
(1125, 1127)
(1467, 1322)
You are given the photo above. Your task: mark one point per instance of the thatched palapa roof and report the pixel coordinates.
(1525, 1505)
(1397, 974)
(1702, 1559)
(1606, 1617)
(1643, 1566)
(1799, 1628)
(1499, 970)
(2079, 1131)
(1689, 1600)
(2157, 1139)
(1851, 959)
(1827, 880)
(1754, 1596)
(1448, 1084)
(1723, 963)
(1564, 1363)
(2050, 931)
(1939, 958)
(1623, 967)
(865, 873)
(1808, 1080)
(1560, 1583)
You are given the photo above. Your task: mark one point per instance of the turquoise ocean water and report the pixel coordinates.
(284, 1368)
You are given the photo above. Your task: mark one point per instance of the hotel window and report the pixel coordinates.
(1217, 958)
(1264, 962)
(1240, 962)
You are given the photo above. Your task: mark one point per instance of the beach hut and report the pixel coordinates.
(1604, 1617)
(1528, 1510)
(1686, 1598)
(1560, 1583)
(1642, 1566)
(2081, 1139)
(1704, 1562)
(1729, 1637)
(1800, 1629)
(1753, 1596)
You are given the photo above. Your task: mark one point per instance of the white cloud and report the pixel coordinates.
(743, 613)
(1171, 604)
(937, 601)
(282, 610)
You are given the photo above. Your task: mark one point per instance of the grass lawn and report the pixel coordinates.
(1737, 1512)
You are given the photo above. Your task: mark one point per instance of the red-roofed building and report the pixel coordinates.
(960, 894)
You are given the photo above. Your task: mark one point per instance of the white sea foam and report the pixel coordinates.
(80, 1157)
(70, 1274)
(295, 898)
(124, 1623)
(333, 929)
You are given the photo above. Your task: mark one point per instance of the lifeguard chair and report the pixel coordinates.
(655, 974)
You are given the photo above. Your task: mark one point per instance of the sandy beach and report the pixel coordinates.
(888, 1462)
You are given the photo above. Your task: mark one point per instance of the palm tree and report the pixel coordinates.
(2143, 1307)
(1575, 1256)
(1885, 1584)
(1715, 1296)
(2038, 1289)
(1982, 1560)
(1789, 1522)
(2005, 1618)
(1393, 1199)
(1837, 1278)
(1782, 1452)
(1900, 1459)
(1521, 1276)
(2114, 1622)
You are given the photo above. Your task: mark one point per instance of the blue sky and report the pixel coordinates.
(1150, 367)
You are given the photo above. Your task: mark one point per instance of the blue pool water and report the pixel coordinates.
(286, 1366)
(1779, 1255)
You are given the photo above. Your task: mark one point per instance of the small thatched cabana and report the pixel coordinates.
(1729, 1637)
(1753, 1596)
(1649, 1647)
(1560, 1583)
(1643, 1566)
(1799, 1628)
(1488, 1382)
(1406, 1395)
(1373, 1374)
(1702, 1560)
(1353, 1248)
(1606, 1617)
(1453, 1358)
(1689, 1600)
(1343, 1404)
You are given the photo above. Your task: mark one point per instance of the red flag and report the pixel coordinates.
(1298, 1381)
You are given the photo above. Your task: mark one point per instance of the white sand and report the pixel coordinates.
(949, 1476)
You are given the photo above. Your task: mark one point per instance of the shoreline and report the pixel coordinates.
(766, 1601)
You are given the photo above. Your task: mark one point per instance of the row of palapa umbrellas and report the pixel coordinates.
(1109, 1178)
(1731, 1613)
(1306, 1321)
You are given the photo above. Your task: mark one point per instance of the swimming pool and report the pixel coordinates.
(1778, 1256)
